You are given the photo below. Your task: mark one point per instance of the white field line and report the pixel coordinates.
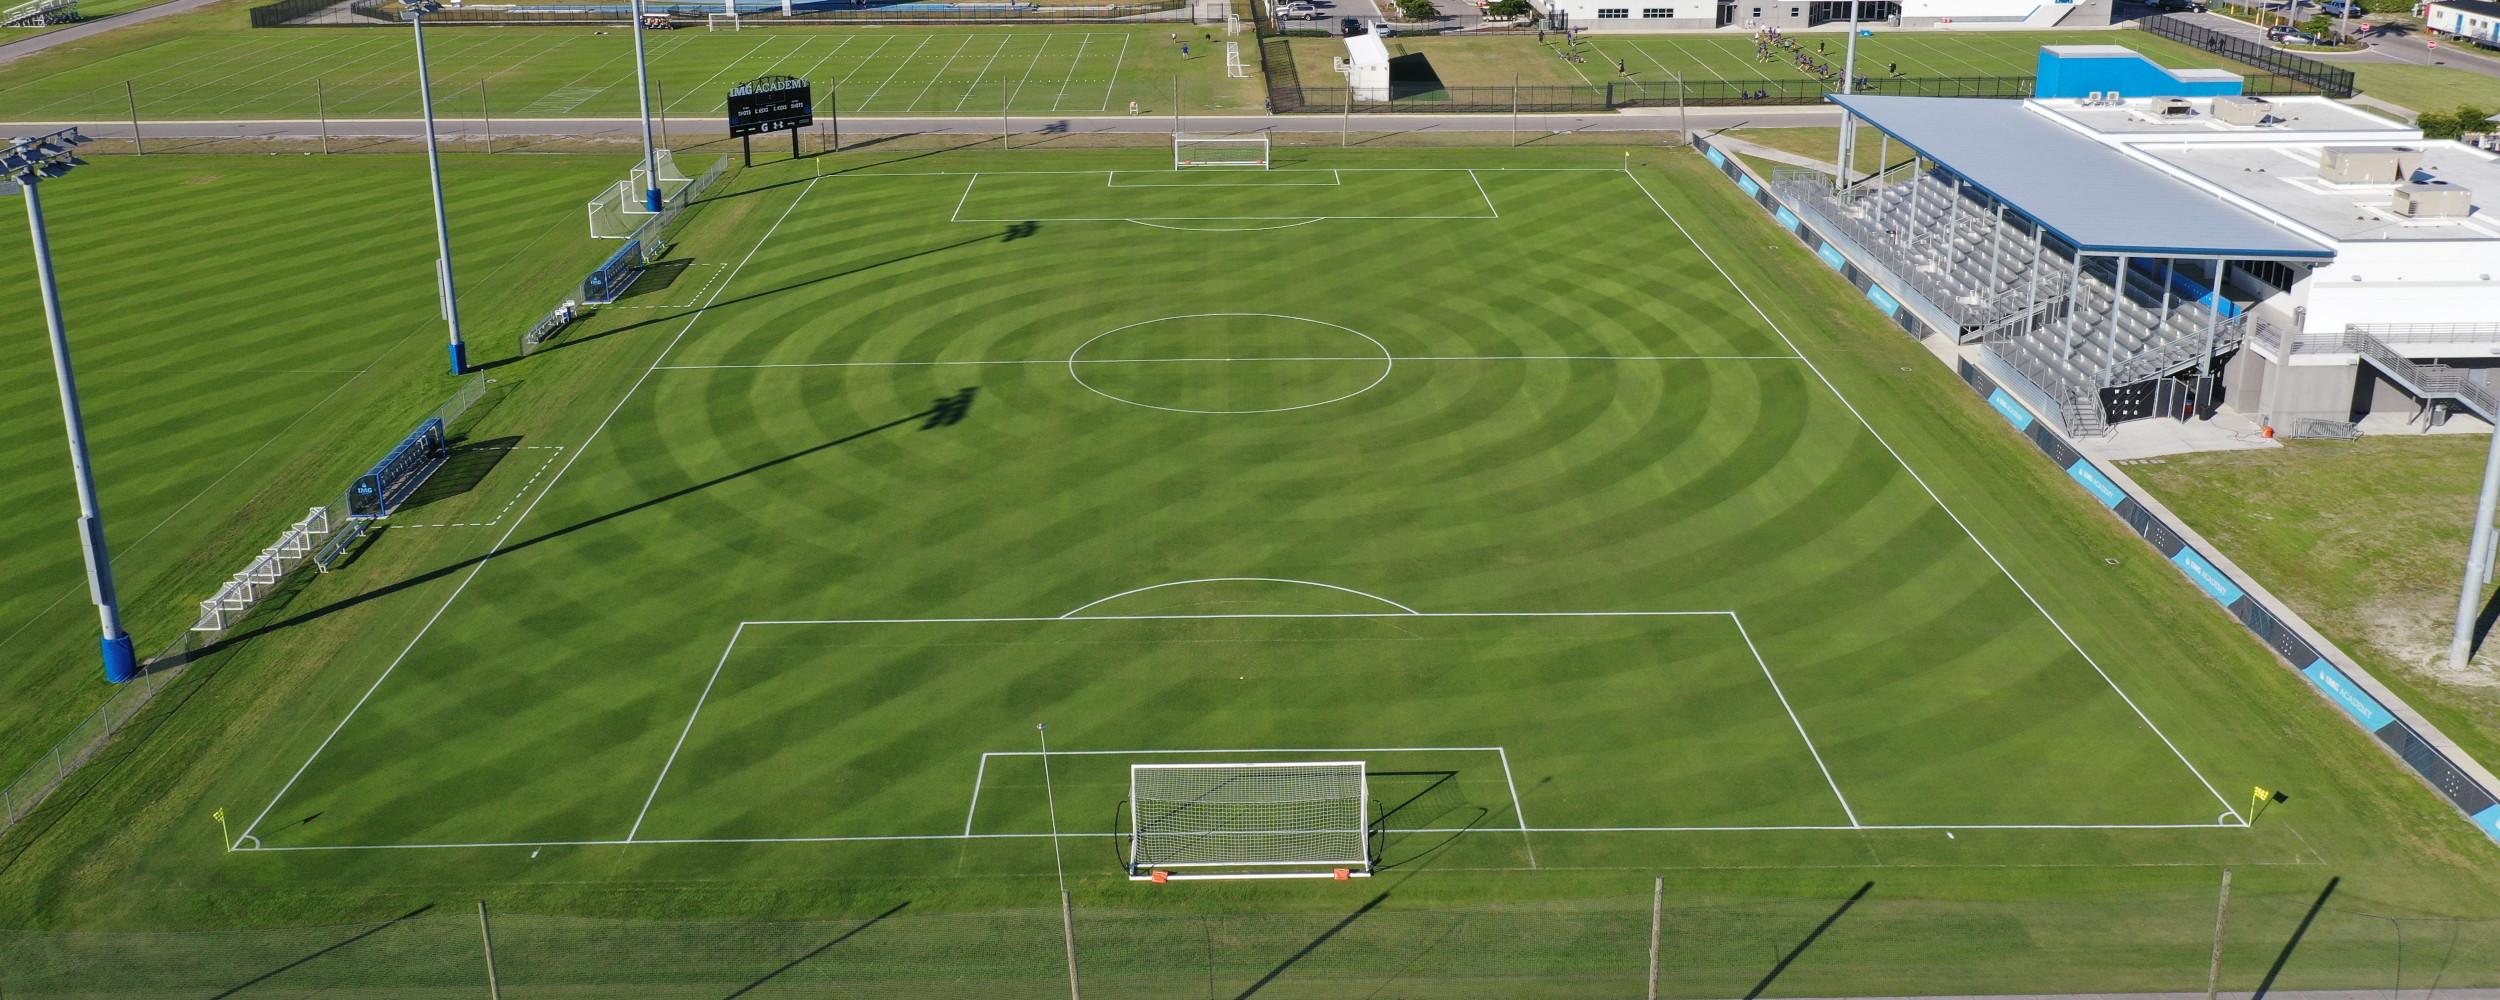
(1114, 81)
(921, 837)
(1794, 720)
(1081, 43)
(1100, 601)
(725, 66)
(939, 75)
(864, 61)
(176, 98)
(1336, 179)
(687, 731)
(898, 71)
(1932, 494)
(401, 65)
(1486, 195)
(984, 74)
(959, 202)
(1519, 812)
(283, 81)
(1028, 73)
(977, 775)
(504, 539)
(1237, 616)
(980, 773)
(810, 73)
(174, 69)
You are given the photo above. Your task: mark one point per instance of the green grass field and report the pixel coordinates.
(1637, 548)
(221, 348)
(586, 72)
(1696, 58)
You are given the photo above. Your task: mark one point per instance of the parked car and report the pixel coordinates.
(1298, 12)
(2296, 38)
(1384, 29)
(2340, 8)
(1350, 27)
(2184, 6)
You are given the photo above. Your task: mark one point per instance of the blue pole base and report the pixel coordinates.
(651, 199)
(459, 359)
(120, 664)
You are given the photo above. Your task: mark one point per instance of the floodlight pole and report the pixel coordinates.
(642, 94)
(28, 162)
(2470, 593)
(444, 286)
(1848, 85)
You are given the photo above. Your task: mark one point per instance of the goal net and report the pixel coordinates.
(1247, 151)
(1233, 66)
(1267, 820)
(721, 22)
(607, 213)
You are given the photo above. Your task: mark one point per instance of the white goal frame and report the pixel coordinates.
(712, 22)
(1233, 66)
(1353, 863)
(1186, 149)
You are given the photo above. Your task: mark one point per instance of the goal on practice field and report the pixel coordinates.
(1233, 66)
(1219, 151)
(1298, 819)
(721, 22)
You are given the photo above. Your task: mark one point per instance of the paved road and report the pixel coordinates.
(2389, 42)
(628, 128)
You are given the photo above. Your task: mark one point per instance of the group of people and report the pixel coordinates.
(1772, 44)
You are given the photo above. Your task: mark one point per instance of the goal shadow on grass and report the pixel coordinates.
(1420, 801)
(920, 417)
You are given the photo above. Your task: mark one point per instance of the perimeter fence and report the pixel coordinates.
(1367, 944)
(682, 15)
(2279, 72)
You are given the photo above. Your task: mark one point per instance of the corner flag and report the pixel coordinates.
(220, 817)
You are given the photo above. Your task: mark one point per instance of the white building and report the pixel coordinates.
(2476, 21)
(1790, 15)
(2359, 262)
(1366, 66)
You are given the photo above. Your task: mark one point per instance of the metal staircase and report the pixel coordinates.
(2426, 382)
(2174, 356)
(38, 13)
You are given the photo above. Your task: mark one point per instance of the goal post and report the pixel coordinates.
(721, 22)
(1190, 151)
(1233, 66)
(1286, 819)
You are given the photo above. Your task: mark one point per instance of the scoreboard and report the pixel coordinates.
(770, 104)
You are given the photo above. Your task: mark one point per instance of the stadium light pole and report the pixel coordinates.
(642, 94)
(1848, 85)
(2477, 561)
(24, 165)
(445, 290)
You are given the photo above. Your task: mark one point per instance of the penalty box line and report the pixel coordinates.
(1404, 612)
(1491, 212)
(1517, 811)
(1064, 362)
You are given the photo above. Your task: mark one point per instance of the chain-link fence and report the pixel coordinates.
(1366, 943)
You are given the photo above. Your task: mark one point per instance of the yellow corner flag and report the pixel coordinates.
(2259, 794)
(220, 817)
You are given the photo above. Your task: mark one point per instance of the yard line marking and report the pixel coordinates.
(898, 71)
(940, 74)
(1933, 495)
(1083, 40)
(1794, 720)
(920, 837)
(827, 57)
(688, 731)
(724, 68)
(975, 86)
(272, 83)
(508, 504)
(506, 537)
(1488, 197)
(865, 60)
(1115, 73)
(372, 48)
(1517, 811)
(1125, 361)
(1028, 72)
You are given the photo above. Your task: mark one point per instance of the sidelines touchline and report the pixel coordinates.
(506, 537)
(1852, 407)
(1127, 361)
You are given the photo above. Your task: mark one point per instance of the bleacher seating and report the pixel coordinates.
(38, 13)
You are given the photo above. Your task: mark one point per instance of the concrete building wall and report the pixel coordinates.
(2411, 281)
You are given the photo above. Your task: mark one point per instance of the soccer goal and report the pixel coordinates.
(1298, 819)
(722, 22)
(1233, 66)
(1219, 151)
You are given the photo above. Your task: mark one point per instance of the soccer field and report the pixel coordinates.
(583, 72)
(1567, 555)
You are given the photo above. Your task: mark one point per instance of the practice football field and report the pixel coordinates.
(1565, 546)
(585, 72)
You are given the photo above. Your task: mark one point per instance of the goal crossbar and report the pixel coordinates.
(1189, 150)
(1272, 819)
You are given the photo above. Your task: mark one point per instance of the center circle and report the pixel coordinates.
(1230, 363)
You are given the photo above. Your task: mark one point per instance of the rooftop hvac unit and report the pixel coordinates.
(2236, 109)
(2432, 201)
(2174, 107)
(2368, 164)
